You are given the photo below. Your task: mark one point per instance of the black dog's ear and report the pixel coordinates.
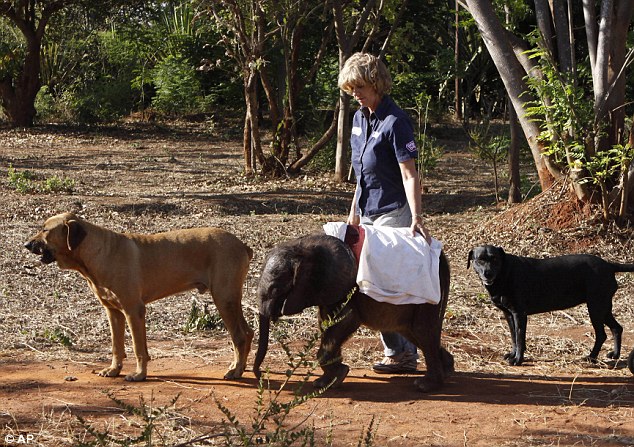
(75, 234)
(469, 258)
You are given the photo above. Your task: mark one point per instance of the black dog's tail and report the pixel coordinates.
(622, 267)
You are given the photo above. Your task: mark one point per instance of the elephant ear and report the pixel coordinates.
(323, 272)
(299, 297)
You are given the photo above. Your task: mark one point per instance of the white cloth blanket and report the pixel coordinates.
(394, 266)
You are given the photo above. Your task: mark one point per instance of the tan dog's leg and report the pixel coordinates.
(117, 332)
(230, 310)
(136, 323)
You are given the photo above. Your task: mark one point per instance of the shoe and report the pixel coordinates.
(403, 363)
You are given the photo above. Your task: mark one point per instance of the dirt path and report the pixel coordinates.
(45, 399)
(53, 333)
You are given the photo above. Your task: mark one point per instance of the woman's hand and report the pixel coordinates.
(353, 219)
(419, 227)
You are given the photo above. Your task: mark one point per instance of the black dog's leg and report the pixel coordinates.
(519, 322)
(329, 353)
(598, 319)
(617, 331)
(511, 323)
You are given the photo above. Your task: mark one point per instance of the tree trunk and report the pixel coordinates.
(515, 193)
(249, 169)
(456, 60)
(295, 167)
(18, 92)
(512, 74)
(343, 138)
(346, 43)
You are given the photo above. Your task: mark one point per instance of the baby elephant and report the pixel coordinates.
(521, 286)
(320, 270)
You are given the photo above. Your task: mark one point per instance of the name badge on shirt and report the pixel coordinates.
(356, 131)
(375, 134)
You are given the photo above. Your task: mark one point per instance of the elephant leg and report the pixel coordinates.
(333, 336)
(425, 333)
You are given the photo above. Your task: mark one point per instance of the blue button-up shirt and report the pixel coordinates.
(380, 141)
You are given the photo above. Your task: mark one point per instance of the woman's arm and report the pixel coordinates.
(413, 193)
(353, 217)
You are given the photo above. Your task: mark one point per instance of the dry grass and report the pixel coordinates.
(151, 183)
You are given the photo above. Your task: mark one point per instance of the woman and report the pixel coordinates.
(384, 160)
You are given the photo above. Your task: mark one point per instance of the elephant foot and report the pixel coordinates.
(332, 378)
(448, 362)
(428, 384)
(591, 359)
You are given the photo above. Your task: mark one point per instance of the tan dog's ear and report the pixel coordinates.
(75, 234)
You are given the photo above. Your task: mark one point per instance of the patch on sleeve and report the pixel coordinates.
(411, 146)
(356, 131)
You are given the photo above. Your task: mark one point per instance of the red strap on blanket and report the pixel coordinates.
(355, 235)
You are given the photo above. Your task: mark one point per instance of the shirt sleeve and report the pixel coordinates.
(403, 140)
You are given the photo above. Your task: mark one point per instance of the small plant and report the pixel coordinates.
(23, 182)
(57, 184)
(491, 148)
(603, 166)
(149, 414)
(200, 319)
(59, 336)
(27, 182)
(429, 152)
(268, 425)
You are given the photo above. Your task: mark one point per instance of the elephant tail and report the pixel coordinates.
(446, 358)
(445, 277)
(263, 344)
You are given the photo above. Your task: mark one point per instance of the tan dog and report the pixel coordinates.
(127, 271)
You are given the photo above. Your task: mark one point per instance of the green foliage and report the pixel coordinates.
(564, 108)
(177, 87)
(604, 166)
(429, 151)
(27, 182)
(491, 147)
(151, 431)
(201, 319)
(268, 425)
(12, 49)
(58, 335)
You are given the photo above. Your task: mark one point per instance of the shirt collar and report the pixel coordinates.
(382, 110)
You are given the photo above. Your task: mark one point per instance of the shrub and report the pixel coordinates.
(177, 87)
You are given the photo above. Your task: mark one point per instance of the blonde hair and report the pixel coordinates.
(362, 69)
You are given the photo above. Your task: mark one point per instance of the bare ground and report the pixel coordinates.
(54, 334)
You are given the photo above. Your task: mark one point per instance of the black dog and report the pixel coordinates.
(522, 286)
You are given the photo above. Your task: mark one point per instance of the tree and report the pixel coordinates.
(266, 39)
(21, 64)
(544, 79)
(20, 67)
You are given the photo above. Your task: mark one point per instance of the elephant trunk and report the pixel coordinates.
(263, 344)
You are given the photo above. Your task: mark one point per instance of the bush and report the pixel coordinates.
(177, 87)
